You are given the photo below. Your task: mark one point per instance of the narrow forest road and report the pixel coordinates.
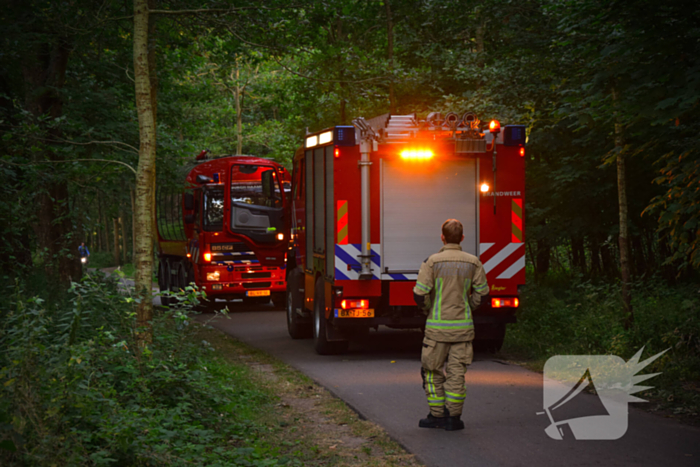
(380, 379)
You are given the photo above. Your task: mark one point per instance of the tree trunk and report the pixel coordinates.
(133, 226)
(578, 254)
(640, 263)
(239, 117)
(115, 225)
(622, 202)
(98, 228)
(609, 268)
(542, 259)
(145, 176)
(390, 55)
(595, 256)
(44, 72)
(123, 230)
(342, 106)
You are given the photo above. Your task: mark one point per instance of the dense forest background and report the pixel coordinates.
(609, 92)
(238, 77)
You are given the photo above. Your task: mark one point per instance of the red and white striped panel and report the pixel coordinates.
(505, 260)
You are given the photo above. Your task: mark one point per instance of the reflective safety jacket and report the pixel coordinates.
(450, 285)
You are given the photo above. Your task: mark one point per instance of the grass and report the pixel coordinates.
(75, 391)
(306, 423)
(576, 317)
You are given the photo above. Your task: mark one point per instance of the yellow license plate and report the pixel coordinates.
(257, 293)
(355, 313)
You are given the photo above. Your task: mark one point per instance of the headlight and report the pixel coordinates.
(213, 276)
(83, 260)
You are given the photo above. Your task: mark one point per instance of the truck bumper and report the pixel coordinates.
(238, 282)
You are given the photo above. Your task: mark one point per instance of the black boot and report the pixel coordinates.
(432, 422)
(452, 422)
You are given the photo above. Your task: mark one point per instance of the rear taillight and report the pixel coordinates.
(354, 304)
(503, 302)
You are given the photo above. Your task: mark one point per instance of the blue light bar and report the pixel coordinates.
(344, 135)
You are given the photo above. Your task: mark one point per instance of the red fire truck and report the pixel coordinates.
(368, 204)
(226, 230)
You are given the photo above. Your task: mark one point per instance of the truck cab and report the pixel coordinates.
(234, 214)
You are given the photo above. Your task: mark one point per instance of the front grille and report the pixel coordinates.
(256, 275)
(257, 285)
(249, 268)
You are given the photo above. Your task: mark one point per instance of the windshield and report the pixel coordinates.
(213, 209)
(255, 185)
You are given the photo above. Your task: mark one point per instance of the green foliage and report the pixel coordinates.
(577, 317)
(101, 259)
(74, 390)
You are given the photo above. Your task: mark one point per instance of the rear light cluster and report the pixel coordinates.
(354, 304)
(503, 302)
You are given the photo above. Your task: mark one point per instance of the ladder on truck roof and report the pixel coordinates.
(400, 128)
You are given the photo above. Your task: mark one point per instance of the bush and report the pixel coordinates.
(582, 317)
(75, 392)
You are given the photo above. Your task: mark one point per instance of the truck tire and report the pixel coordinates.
(174, 279)
(494, 342)
(296, 328)
(164, 277)
(321, 344)
(181, 275)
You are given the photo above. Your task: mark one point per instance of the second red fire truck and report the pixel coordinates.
(368, 201)
(224, 226)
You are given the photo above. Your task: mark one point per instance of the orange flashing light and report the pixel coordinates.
(207, 257)
(522, 152)
(505, 302)
(189, 255)
(495, 126)
(337, 152)
(354, 304)
(484, 188)
(417, 154)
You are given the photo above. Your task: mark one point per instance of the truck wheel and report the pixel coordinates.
(279, 299)
(181, 276)
(322, 345)
(494, 342)
(164, 281)
(174, 279)
(296, 328)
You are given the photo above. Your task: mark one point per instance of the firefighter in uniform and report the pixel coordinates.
(450, 285)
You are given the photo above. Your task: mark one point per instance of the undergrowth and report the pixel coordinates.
(580, 317)
(73, 391)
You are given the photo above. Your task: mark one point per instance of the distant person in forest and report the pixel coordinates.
(84, 252)
(449, 287)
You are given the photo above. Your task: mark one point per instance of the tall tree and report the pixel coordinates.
(145, 175)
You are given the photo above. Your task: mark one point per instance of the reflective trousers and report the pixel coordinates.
(445, 390)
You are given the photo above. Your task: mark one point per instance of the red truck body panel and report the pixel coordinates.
(240, 263)
(409, 199)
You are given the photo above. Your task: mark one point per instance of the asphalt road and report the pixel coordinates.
(380, 379)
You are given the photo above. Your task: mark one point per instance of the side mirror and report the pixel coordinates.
(189, 201)
(189, 219)
(202, 179)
